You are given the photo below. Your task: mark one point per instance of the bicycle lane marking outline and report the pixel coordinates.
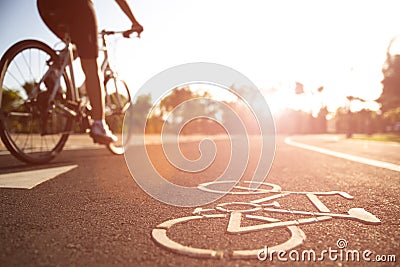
(264, 204)
(362, 160)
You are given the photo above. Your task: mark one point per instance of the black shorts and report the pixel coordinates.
(75, 16)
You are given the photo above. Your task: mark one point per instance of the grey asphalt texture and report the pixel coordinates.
(96, 215)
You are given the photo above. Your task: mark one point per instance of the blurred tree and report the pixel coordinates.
(141, 109)
(390, 97)
(10, 99)
(143, 104)
(162, 117)
(392, 115)
(176, 97)
(320, 122)
(364, 121)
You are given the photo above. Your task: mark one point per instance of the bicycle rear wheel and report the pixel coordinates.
(27, 129)
(118, 100)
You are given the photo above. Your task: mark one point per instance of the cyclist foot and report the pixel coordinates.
(101, 134)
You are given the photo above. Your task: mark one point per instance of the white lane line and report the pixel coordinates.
(30, 179)
(371, 162)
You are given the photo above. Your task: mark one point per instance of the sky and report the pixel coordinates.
(340, 45)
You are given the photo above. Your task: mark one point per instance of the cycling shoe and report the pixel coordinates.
(101, 134)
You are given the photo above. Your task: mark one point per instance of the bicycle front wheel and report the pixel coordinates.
(31, 130)
(117, 101)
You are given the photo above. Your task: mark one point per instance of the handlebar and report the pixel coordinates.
(126, 33)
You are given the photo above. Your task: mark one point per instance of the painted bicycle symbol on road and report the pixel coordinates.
(237, 213)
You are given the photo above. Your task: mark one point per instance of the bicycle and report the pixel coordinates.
(39, 100)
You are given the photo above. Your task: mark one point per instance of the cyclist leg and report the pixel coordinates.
(84, 35)
(99, 131)
(52, 13)
(80, 19)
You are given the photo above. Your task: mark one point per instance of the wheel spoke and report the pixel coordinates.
(28, 66)
(15, 79)
(31, 137)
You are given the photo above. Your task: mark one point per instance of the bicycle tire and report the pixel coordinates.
(21, 68)
(117, 102)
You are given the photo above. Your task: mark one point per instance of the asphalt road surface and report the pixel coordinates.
(92, 213)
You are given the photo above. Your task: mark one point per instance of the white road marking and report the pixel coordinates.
(371, 162)
(30, 179)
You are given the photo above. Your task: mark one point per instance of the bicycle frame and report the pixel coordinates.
(105, 65)
(46, 99)
(65, 60)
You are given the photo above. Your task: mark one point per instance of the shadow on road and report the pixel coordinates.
(9, 164)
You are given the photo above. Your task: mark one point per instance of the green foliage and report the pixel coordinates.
(393, 115)
(141, 108)
(165, 115)
(364, 121)
(379, 137)
(10, 99)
